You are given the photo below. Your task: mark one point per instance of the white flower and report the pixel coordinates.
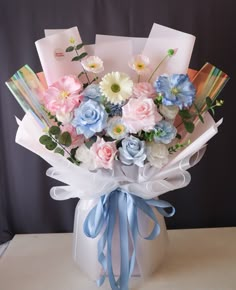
(157, 154)
(84, 155)
(116, 87)
(169, 112)
(65, 118)
(116, 128)
(93, 64)
(140, 64)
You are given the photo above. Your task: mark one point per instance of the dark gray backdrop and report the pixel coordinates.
(25, 205)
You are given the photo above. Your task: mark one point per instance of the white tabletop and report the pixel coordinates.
(199, 259)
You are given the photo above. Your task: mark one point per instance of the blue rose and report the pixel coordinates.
(92, 92)
(90, 118)
(165, 132)
(133, 151)
(176, 90)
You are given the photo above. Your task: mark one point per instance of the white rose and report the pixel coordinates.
(169, 112)
(84, 155)
(157, 154)
(65, 118)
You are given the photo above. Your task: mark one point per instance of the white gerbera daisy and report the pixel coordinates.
(116, 87)
(93, 64)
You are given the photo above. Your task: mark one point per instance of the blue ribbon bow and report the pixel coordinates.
(103, 218)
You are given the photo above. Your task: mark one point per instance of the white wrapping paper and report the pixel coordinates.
(146, 182)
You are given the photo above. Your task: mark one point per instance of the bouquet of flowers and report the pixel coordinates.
(119, 131)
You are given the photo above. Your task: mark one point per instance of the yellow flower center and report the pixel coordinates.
(93, 65)
(118, 129)
(115, 88)
(72, 40)
(64, 94)
(174, 91)
(140, 65)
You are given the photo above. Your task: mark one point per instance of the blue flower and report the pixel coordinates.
(114, 110)
(133, 151)
(90, 118)
(92, 92)
(165, 132)
(176, 90)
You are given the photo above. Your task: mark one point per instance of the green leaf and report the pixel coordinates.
(189, 126)
(54, 130)
(82, 55)
(74, 161)
(73, 151)
(79, 57)
(201, 118)
(76, 58)
(45, 139)
(185, 114)
(51, 146)
(65, 139)
(85, 85)
(79, 46)
(70, 48)
(196, 107)
(208, 102)
(59, 151)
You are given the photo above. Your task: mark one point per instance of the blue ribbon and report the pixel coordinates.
(102, 218)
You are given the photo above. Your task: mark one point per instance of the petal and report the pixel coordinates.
(71, 84)
(51, 93)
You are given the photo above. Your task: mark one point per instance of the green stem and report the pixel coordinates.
(83, 68)
(158, 67)
(138, 78)
(195, 114)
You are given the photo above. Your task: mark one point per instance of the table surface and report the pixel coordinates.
(197, 259)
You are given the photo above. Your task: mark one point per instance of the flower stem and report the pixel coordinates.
(83, 68)
(138, 78)
(158, 67)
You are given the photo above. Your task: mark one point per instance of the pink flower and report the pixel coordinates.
(144, 89)
(140, 114)
(63, 96)
(104, 153)
(77, 140)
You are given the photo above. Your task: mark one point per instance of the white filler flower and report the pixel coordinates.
(157, 154)
(140, 64)
(93, 64)
(116, 87)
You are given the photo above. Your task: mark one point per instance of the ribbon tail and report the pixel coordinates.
(124, 242)
(111, 225)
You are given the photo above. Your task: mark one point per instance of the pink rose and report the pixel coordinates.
(143, 90)
(104, 153)
(64, 95)
(77, 140)
(140, 114)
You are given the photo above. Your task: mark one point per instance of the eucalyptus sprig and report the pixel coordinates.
(188, 116)
(59, 141)
(52, 117)
(178, 146)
